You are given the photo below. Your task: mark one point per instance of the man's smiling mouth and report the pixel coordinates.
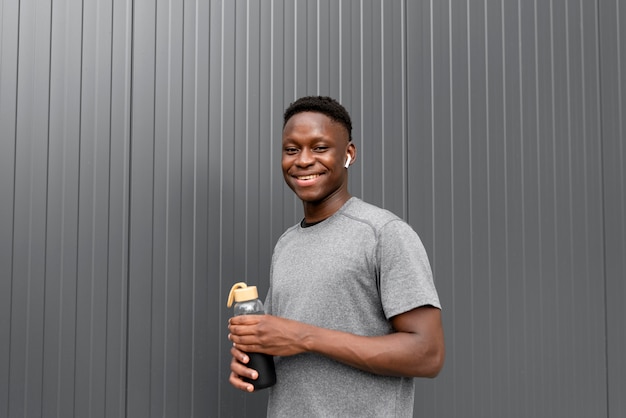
(309, 177)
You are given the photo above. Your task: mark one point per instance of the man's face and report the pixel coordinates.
(315, 149)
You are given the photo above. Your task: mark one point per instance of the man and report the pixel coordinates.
(353, 315)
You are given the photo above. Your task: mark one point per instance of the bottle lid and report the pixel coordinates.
(241, 292)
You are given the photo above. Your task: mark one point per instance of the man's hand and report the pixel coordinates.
(259, 334)
(238, 371)
(267, 334)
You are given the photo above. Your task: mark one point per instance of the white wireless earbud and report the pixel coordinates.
(348, 161)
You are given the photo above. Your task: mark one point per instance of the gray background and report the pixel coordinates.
(139, 175)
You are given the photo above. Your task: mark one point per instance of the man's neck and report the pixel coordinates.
(317, 212)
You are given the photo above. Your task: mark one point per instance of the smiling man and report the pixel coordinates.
(352, 312)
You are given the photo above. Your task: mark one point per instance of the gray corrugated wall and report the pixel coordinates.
(139, 175)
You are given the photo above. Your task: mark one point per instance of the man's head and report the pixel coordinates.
(317, 151)
(321, 104)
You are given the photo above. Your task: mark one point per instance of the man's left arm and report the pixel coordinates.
(415, 349)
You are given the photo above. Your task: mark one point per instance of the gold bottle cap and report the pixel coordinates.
(241, 292)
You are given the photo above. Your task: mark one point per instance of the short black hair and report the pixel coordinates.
(321, 104)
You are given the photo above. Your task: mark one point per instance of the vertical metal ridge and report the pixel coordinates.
(620, 112)
(131, 26)
(539, 168)
(341, 40)
(7, 363)
(404, 106)
(195, 229)
(317, 44)
(383, 94)
(361, 86)
(489, 200)
(450, 104)
(194, 237)
(570, 174)
(524, 273)
(271, 114)
(452, 133)
(109, 195)
(432, 126)
(619, 98)
(554, 186)
(600, 94)
(126, 202)
(505, 146)
(47, 206)
(295, 50)
(537, 160)
(470, 138)
(153, 386)
(247, 141)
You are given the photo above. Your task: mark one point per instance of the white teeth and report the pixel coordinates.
(309, 177)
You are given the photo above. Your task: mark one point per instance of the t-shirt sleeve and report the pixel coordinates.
(406, 280)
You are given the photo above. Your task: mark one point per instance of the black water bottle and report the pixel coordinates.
(247, 303)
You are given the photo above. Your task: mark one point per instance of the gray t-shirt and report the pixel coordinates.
(351, 272)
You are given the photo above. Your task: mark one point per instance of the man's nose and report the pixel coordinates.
(305, 158)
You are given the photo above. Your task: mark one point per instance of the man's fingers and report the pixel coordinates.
(240, 384)
(239, 355)
(239, 371)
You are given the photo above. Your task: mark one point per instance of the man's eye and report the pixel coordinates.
(291, 151)
(321, 149)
